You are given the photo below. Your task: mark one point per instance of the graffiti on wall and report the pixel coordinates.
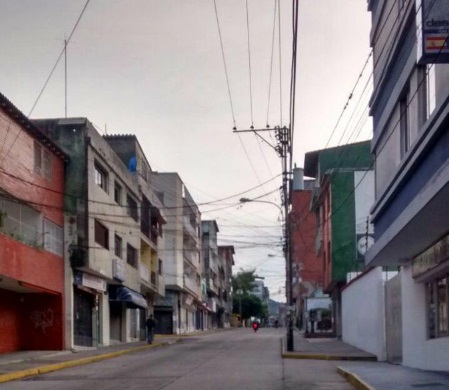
(42, 319)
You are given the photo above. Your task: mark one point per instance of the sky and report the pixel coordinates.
(155, 68)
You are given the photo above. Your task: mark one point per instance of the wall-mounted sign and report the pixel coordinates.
(432, 26)
(431, 257)
(88, 280)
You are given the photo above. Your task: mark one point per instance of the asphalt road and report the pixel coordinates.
(235, 360)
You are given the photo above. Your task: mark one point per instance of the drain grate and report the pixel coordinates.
(428, 385)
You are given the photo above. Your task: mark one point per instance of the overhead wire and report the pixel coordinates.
(249, 65)
(224, 64)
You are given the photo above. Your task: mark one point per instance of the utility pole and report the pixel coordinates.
(283, 148)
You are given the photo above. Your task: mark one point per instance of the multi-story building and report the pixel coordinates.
(211, 272)
(152, 284)
(410, 112)
(181, 310)
(226, 258)
(32, 314)
(343, 195)
(104, 300)
(307, 265)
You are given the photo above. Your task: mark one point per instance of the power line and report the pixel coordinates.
(249, 65)
(224, 63)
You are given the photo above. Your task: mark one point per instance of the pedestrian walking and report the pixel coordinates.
(150, 324)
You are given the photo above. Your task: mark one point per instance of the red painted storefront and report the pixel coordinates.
(31, 277)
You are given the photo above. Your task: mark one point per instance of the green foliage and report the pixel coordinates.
(251, 306)
(243, 282)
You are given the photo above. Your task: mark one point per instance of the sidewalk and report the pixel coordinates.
(21, 364)
(324, 349)
(366, 373)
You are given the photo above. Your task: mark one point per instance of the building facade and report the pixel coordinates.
(103, 282)
(341, 201)
(226, 257)
(181, 310)
(410, 112)
(307, 265)
(212, 274)
(32, 306)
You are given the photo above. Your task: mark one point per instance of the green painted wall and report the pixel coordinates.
(353, 156)
(343, 225)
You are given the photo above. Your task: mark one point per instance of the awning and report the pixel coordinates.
(131, 298)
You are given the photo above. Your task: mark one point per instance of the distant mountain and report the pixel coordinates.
(273, 308)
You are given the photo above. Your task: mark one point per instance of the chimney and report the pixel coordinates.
(298, 178)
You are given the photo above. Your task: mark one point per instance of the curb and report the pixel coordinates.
(76, 362)
(322, 356)
(354, 380)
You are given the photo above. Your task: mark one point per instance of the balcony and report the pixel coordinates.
(191, 285)
(192, 257)
(190, 228)
(147, 277)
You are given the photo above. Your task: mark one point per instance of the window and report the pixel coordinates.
(404, 122)
(118, 246)
(47, 165)
(42, 161)
(101, 235)
(21, 222)
(131, 207)
(437, 307)
(430, 90)
(160, 270)
(101, 177)
(131, 256)
(37, 157)
(117, 193)
(53, 238)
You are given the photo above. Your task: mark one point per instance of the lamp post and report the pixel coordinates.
(288, 262)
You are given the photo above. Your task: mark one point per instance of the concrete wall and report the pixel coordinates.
(363, 313)
(419, 351)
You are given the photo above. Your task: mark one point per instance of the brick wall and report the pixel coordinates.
(9, 322)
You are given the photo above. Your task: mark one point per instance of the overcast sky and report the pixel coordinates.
(154, 68)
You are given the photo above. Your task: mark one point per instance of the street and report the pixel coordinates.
(234, 359)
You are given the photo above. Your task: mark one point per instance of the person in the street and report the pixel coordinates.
(150, 324)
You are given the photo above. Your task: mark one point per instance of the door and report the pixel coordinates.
(83, 305)
(164, 321)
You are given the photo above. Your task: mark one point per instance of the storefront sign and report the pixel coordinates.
(432, 22)
(88, 280)
(431, 257)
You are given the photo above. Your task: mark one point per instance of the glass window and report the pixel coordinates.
(442, 306)
(37, 157)
(101, 235)
(430, 90)
(132, 207)
(53, 238)
(101, 177)
(117, 193)
(404, 122)
(118, 246)
(47, 165)
(131, 256)
(437, 306)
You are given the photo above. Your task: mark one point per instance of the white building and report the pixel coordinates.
(181, 310)
(410, 143)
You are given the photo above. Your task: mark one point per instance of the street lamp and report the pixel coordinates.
(288, 262)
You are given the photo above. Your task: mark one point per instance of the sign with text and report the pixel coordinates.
(432, 26)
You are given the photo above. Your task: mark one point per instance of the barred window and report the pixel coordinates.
(53, 238)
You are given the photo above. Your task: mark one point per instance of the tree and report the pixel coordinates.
(244, 302)
(243, 282)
